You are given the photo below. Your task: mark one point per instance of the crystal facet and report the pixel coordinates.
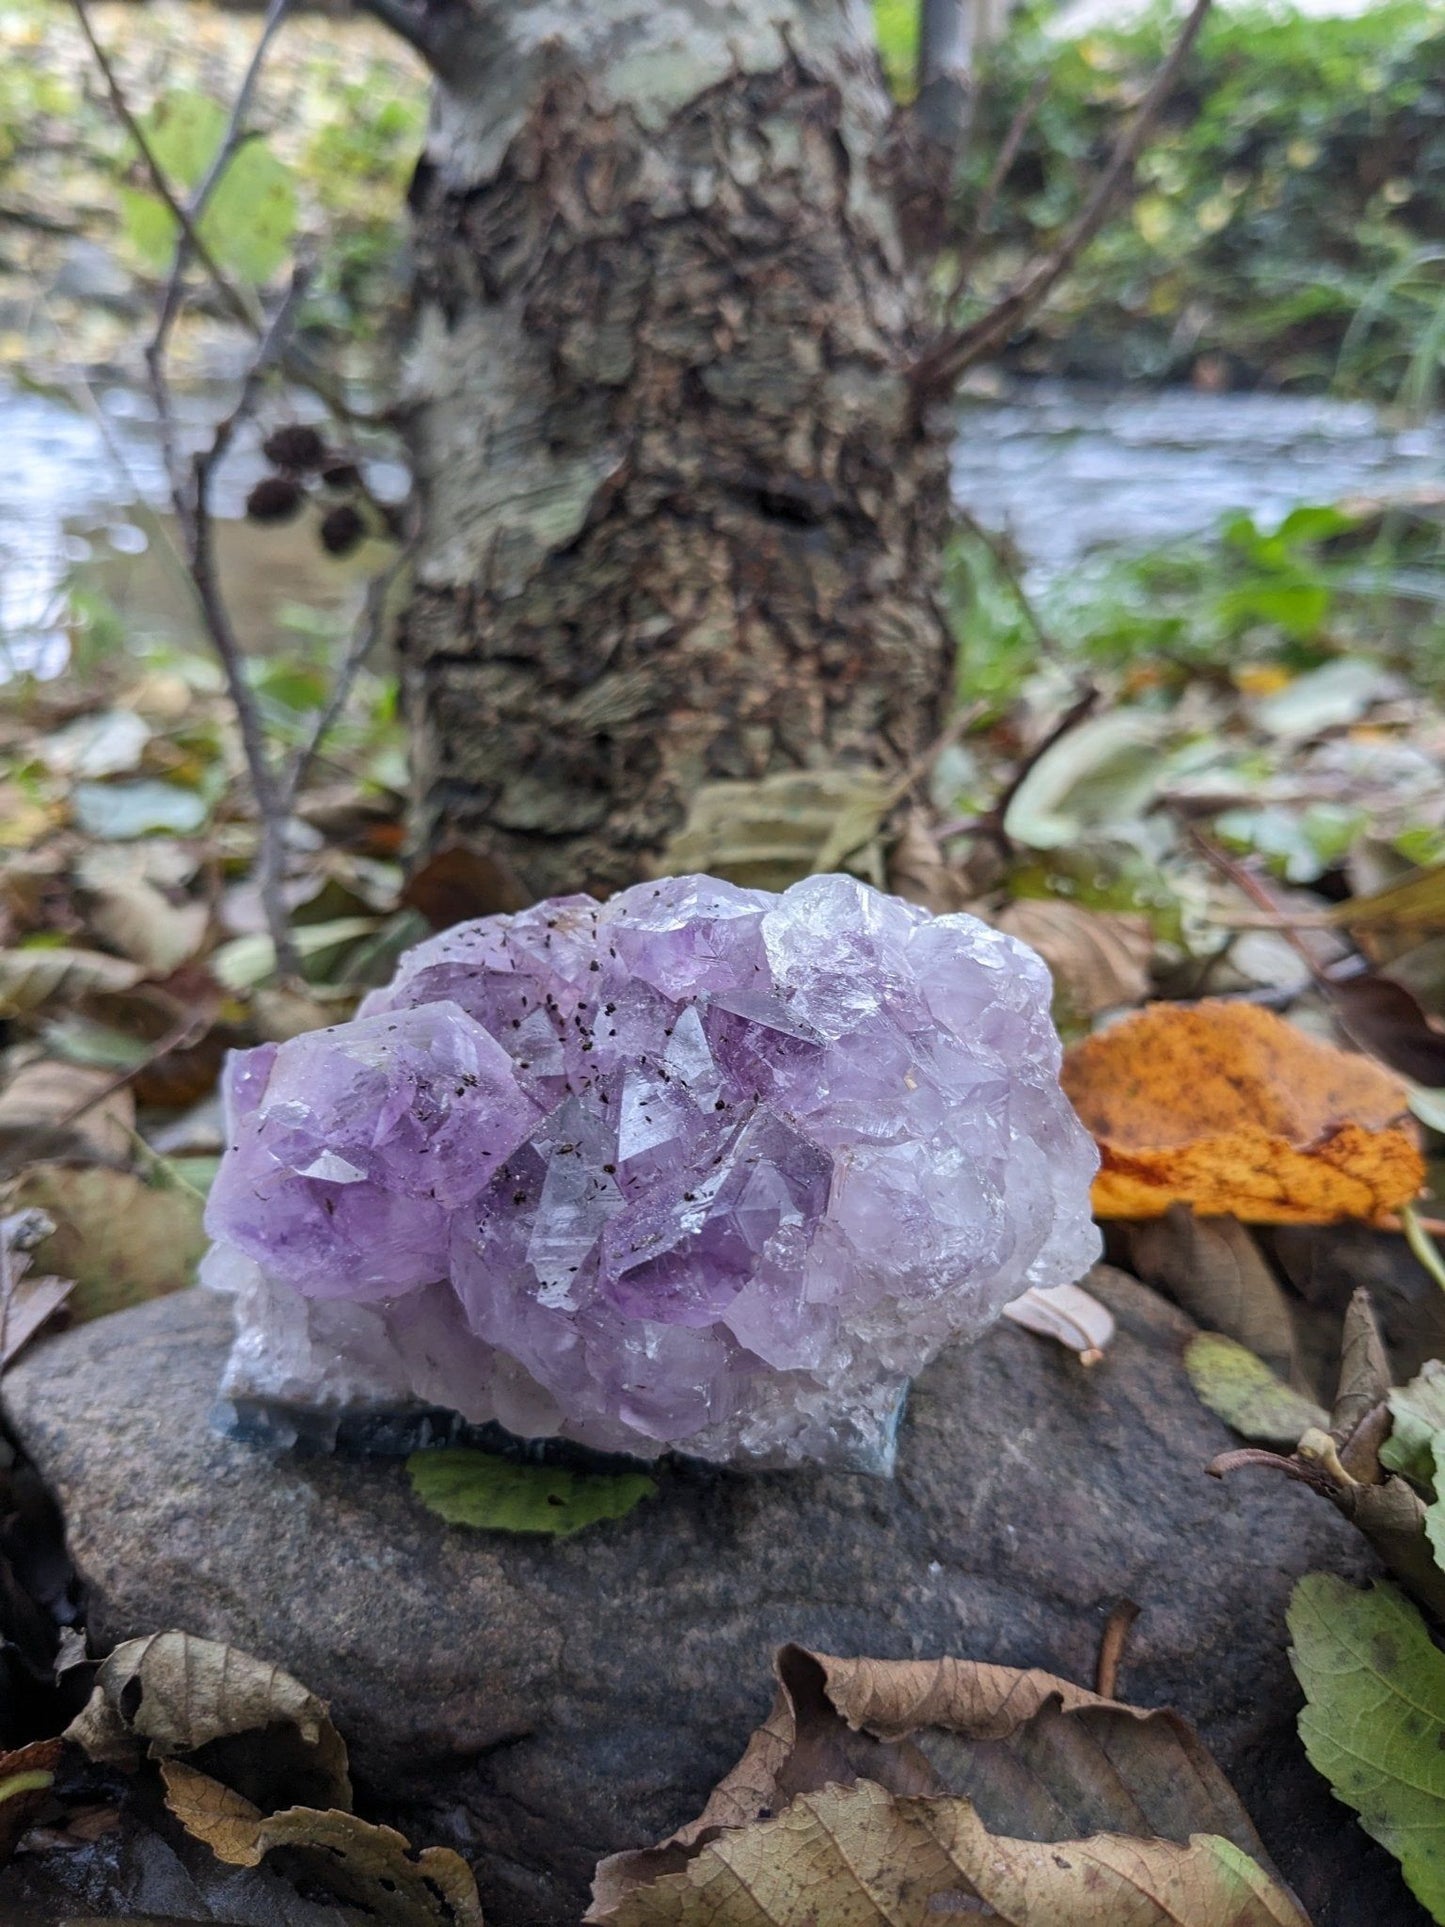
(700, 1169)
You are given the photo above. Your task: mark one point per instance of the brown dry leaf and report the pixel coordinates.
(367, 1866)
(1099, 959)
(26, 1303)
(1015, 1767)
(143, 924)
(1213, 1268)
(41, 1116)
(457, 883)
(1226, 1107)
(122, 1240)
(1417, 902)
(32, 979)
(919, 871)
(170, 1694)
(853, 1856)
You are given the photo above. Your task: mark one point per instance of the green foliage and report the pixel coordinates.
(1417, 1414)
(1374, 1718)
(1246, 1394)
(896, 24)
(1299, 595)
(1284, 219)
(479, 1489)
(251, 217)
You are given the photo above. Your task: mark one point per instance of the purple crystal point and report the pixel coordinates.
(699, 1168)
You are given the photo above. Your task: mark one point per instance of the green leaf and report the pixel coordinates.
(1103, 773)
(1374, 1718)
(251, 214)
(1245, 1392)
(479, 1489)
(249, 960)
(1418, 1411)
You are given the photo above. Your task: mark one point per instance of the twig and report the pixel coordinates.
(274, 791)
(941, 365)
(1013, 140)
(1004, 562)
(235, 133)
(1422, 1244)
(243, 310)
(193, 507)
(1078, 711)
(1111, 1648)
(365, 636)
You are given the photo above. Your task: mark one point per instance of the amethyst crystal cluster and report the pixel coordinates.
(699, 1168)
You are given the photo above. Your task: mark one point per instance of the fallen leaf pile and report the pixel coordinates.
(913, 1791)
(251, 1765)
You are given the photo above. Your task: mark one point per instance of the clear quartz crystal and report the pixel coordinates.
(700, 1169)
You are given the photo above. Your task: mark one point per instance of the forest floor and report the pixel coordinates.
(1212, 770)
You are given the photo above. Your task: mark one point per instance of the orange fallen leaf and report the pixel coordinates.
(1230, 1109)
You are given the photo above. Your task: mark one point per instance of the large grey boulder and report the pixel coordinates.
(540, 1704)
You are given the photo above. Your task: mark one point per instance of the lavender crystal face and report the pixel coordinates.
(700, 1168)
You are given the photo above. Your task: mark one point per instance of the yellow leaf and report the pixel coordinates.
(1228, 1108)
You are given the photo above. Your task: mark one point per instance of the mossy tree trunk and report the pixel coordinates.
(681, 521)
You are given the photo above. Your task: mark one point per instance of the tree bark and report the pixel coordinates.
(679, 520)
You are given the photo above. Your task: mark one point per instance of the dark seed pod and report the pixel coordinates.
(297, 447)
(342, 529)
(275, 498)
(341, 474)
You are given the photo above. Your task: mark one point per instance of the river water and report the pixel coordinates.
(1065, 468)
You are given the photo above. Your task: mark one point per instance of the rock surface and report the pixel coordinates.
(541, 1704)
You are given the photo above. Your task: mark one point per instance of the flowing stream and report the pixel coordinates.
(1064, 468)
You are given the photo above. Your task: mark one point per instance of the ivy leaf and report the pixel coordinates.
(1374, 1718)
(469, 1488)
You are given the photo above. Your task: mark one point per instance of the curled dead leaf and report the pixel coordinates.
(173, 1694)
(919, 871)
(1030, 1797)
(1228, 1108)
(857, 1854)
(31, 980)
(366, 1866)
(51, 1109)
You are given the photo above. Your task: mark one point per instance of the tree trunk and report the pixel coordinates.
(680, 522)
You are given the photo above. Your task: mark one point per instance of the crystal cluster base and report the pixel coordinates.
(701, 1169)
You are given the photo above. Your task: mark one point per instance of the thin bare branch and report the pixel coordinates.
(1013, 140)
(193, 508)
(946, 360)
(364, 638)
(243, 310)
(235, 133)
